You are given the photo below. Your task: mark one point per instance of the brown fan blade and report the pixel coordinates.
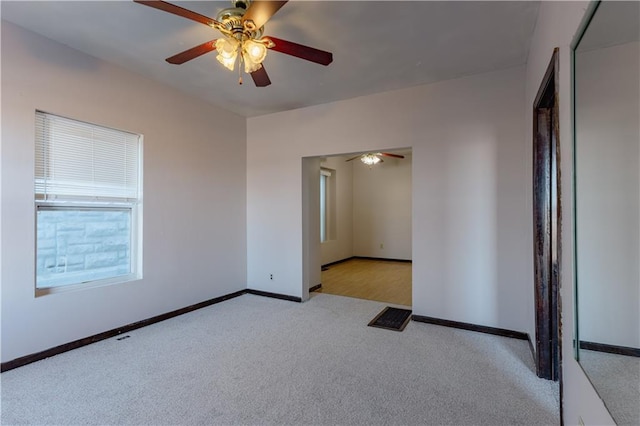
(177, 10)
(300, 51)
(260, 77)
(192, 53)
(353, 158)
(259, 12)
(388, 154)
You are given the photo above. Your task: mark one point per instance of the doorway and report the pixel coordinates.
(365, 227)
(547, 224)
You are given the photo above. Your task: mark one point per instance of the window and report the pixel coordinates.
(88, 204)
(324, 176)
(327, 204)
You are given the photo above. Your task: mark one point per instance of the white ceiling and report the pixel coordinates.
(377, 45)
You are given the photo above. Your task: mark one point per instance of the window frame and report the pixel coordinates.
(327, 204)
(323, 206)
(92, 203)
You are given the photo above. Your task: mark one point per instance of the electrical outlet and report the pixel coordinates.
(381, 245)
(270, 276)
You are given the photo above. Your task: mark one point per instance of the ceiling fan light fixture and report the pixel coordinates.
(249, 65)
(370, 159)
(227, 52)
(255, 51)
(241, 27)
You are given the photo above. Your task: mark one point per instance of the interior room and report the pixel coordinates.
(167, 273)
(365, 226)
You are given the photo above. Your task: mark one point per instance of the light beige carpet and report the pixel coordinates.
(254, 360)
(617, 380)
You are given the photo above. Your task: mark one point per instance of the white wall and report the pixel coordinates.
(311, 251)
(340, 245)
(608, 138)
(556, 25)
(382, 209)
(471, 228)
(194, 241)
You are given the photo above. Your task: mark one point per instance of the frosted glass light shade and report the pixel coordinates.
(254, 51)
(249, 65)
(227, 52)
(370, 159)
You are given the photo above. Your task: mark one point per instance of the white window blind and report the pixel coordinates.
(76, 160)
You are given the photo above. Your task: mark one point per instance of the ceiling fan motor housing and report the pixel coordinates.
(242, 4)
(231, 20)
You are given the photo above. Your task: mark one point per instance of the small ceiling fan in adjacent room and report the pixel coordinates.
(371, 158)
(242, 28)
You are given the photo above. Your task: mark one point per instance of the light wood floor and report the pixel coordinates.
(382, 281)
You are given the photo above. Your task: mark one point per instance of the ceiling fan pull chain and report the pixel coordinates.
(240, 69)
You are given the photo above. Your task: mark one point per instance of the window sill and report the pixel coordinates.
(87, 285)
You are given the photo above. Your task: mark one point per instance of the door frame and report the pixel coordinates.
(547, 213)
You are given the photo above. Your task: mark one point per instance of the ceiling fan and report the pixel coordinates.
(242, 28)
(371, 158)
